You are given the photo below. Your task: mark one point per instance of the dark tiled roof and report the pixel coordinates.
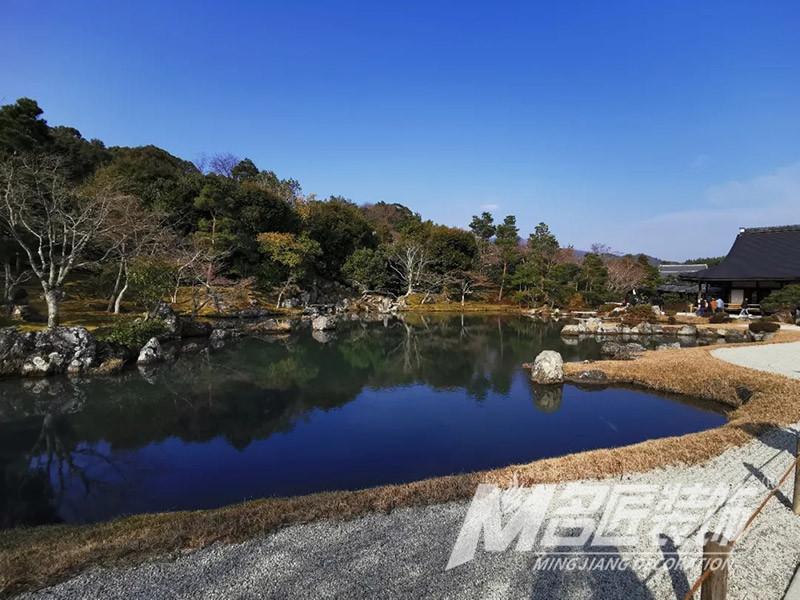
(680, 269)
(759, 253)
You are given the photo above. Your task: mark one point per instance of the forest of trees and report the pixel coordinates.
(143, 223)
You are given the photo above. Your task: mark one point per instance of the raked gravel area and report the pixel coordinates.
(776, 358)
(404, 554)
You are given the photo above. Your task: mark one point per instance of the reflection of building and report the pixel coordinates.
(762, 259)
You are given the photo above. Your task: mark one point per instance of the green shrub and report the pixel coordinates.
(595, 299)
(673, 298)
(135, 333)
(151, 280)
(636, 314)
(576, 302)
(786, 298)
(764, 327)
(719, 318)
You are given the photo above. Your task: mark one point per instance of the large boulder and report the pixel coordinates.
(164, 312)
(737, 336)
(323, 323)
(47, 352)
(152, 352)
(783, 316)
(593, 325)
(687, 330)
(548, 368)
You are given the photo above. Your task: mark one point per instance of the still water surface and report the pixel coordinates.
(374, 403)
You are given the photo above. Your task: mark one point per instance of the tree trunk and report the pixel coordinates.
(112, 299)
(502, 281)
(118, 301)
(7, 284)
(51, 297)
(280, 294)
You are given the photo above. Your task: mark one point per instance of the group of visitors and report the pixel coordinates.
(715, 305)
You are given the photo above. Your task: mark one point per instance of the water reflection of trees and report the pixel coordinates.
(249, 390)
(257, 387)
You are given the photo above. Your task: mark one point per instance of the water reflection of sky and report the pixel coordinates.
(404, 433)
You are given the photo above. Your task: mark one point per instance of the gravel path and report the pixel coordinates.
(404, 554)
(776, 358)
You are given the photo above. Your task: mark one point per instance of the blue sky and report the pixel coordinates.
(650, 126)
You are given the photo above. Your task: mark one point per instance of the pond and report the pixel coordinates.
(373, 403)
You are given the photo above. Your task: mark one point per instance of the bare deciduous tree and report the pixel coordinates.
(624, 274)
(410, 261)
(130, 232)
(223, 163)
(49, 219)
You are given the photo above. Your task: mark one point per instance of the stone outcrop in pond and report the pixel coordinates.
(615, 351)
(47, 352)
(590, 378)
(548, 368)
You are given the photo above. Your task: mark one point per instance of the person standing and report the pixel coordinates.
(720, 305)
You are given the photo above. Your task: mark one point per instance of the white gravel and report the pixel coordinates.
(404, 554)
(775, 358)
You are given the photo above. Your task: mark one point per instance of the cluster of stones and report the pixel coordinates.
(47, 352)
(596, 327)
(74, 350)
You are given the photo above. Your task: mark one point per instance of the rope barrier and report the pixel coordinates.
(705, 574)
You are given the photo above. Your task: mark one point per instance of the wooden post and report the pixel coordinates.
(796, 497)
(715, 557)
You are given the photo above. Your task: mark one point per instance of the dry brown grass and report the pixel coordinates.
(41, 556)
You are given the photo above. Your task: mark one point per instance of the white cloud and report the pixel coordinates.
(490, 206)
(708, 225)
(700, 161)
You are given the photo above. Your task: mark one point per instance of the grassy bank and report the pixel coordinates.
(40, 556)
